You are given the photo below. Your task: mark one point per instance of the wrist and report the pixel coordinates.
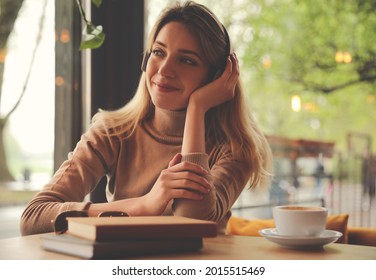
(196, 109)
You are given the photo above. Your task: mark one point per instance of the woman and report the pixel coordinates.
(184, 145)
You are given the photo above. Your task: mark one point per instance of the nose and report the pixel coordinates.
(166, 68)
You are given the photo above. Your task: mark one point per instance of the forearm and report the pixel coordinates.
(131, 206)
(41, 212)
(204, 209)
(194, 131)
(194, 150)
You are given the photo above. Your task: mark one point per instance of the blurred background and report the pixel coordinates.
(308, 68)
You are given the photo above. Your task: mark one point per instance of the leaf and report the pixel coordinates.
(97, 3)
(93, 43)
(93, 37)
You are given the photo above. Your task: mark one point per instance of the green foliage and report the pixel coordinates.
(92, 36)
(97, 3)
(289, 47)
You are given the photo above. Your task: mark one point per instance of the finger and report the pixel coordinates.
(181, 179)
(235, 70)
(175, 160)
(184, 193)
(191, 181)
(169, 179)
(193, 187)
(228, 69)
(235, 63)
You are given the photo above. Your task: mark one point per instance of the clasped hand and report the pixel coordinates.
(178, 180)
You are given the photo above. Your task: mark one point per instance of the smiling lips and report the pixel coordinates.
(164, 87)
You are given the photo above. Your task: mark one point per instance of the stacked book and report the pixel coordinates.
(119, 237)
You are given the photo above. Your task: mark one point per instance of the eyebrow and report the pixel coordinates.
(180, 50)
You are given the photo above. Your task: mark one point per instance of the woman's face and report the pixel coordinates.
(176, 67)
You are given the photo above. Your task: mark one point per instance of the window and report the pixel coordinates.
(28, 80)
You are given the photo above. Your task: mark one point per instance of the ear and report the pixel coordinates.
(145, 61)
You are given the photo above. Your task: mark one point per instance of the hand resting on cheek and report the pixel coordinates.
(220, 90)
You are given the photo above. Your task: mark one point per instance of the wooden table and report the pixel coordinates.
(218, 248)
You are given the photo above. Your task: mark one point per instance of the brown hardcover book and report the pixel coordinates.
(143, 227)
(89, 249)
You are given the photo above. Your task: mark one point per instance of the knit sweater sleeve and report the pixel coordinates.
(77, 176)
(228, 178)
(198, 158)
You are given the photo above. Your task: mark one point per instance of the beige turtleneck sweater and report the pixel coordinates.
(133, 165)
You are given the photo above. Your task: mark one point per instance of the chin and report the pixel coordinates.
(170, 108)
(162, 103)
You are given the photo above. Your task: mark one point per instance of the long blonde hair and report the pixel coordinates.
(230, 123)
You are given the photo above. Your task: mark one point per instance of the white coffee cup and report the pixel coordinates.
(295, 220)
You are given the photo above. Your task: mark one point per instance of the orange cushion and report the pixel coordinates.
(339, 223)
(241, 226)
(362, 236)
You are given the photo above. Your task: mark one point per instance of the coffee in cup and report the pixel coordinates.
(294, 220)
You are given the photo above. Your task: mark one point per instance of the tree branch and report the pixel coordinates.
(9, 10)
(328, 90)
(37, 43)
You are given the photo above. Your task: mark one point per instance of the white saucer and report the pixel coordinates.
(328, 236)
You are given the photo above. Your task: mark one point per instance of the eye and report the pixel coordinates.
(157, 52)
(188, 61)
